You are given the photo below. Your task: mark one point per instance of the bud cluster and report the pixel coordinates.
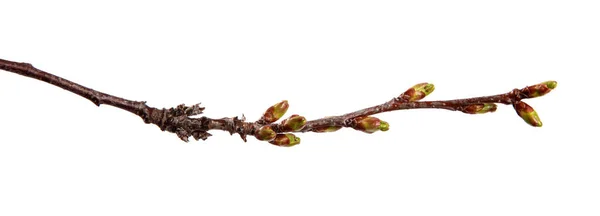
(291, 124)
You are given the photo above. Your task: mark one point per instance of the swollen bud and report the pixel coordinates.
(326, 129)
(527, 113)
(275, 112)
(370, 124)
(293, 123)
(265, 133)
(539, 89)
(285, 140)
(480, 108)
(417, 92)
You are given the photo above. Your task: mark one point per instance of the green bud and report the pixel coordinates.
(265, 133)
(539, 90)
(384, 126)
(285, 140)
(551, 84)
(293, 123)
(480, 108)
(527, 113)
(369, 124)
(326, 129)
(417, 92)
(275, 112)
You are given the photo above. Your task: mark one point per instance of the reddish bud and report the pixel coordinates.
(417, 92)
(265, 133)
(275, 112)
(285, 140)
(527, 113)
(369, 124)
(539, 89)
(293, 123)
(480, 108)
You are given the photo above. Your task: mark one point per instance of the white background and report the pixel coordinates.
(61, 155)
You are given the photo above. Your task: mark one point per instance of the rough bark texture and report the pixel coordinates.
(180, 120)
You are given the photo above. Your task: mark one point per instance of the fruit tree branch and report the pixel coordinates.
(180, 120)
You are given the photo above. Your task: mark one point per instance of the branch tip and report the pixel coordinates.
(539, 90)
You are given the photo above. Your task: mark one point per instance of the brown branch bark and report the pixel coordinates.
(180, 120)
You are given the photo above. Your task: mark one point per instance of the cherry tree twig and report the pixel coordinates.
(180, 120)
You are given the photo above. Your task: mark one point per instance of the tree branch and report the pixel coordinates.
(180, 120)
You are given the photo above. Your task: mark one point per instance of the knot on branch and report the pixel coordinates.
(237, 125)
(184, 134)
(177, 120)
(516, 95)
